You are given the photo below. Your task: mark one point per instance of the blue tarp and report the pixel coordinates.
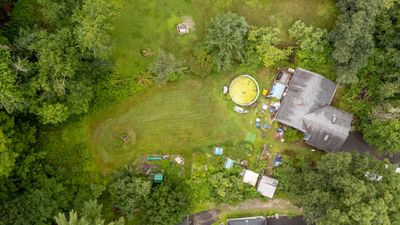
(229, 163)
(277, 160)
(277, 90)
(218, 151)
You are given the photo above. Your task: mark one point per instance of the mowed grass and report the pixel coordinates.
(190, 114)
(173, 119)
(151, 24)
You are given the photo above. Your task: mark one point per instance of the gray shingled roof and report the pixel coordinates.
(259, 220)
(306, 107)
(326, 132)
(307, 92)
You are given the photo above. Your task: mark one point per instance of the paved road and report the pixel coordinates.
(355, 142)
(207, 217)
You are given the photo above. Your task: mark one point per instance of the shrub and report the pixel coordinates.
(292, 135)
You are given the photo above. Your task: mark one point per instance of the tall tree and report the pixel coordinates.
(346, 189)
(89, 215)
(165, 68)
(313, 48)
(226, 39)
(353, 36)
(263, 45)
(57, 59)
(10, 95)
(128, 191)
(94, 26)
(168, 202)
(16, 138)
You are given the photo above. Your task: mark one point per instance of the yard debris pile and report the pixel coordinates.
(186, 26)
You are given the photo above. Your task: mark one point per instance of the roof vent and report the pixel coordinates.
(299, 100)
(326, 137)
(334, 118)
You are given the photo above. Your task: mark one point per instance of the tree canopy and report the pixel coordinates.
(128, 191)
(89, 215)
(56, 60)
(226, 39)
(313, 48)
(346, 189)
(169, 202)
(262, 44)
(353, 36)
(375, 98)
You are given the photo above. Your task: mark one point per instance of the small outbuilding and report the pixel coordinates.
(267, 186)
(250, 177)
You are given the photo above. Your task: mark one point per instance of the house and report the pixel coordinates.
(267, 186)
(257, 220)
(285, 220)
(305, 106)
(250, 177)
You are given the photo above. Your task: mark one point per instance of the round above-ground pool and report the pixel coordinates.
(244, 90)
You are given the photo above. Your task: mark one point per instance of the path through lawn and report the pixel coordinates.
(171, 119)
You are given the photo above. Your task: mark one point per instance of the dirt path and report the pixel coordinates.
(208, 217)
(256, 204)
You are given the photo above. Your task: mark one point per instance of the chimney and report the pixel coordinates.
(326, 137)
(334, 118)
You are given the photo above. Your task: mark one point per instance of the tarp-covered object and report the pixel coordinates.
(277, 90)
(229, 163)
(218, 151)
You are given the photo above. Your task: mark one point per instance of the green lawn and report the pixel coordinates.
(171, 119)
(190, 114)
(179, 118)
(150, 24)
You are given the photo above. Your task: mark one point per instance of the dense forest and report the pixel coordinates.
(56, 65)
